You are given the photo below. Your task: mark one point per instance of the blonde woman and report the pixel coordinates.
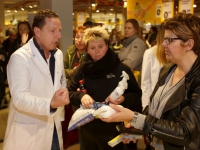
(153, 60)
(101, 70)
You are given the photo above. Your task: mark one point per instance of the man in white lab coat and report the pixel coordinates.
(38, 89)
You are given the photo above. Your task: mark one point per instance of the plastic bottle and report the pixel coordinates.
(116, 93)
(81, 86)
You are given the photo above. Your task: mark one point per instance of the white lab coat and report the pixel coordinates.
(30, 122)
(150, 72)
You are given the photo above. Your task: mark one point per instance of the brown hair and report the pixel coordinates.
(135, 25)
(185, 26)
(39, 19)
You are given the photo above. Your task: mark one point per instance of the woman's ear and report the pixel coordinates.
(189, 44)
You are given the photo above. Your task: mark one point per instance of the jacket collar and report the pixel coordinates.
(182, 91)
(41, 50)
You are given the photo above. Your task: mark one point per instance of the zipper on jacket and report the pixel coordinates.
(169, 135)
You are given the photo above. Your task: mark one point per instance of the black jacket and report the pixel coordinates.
(179, 125)
(100, 82)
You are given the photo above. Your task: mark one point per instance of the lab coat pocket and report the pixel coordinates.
(24, 136)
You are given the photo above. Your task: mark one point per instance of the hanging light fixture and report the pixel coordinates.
(30, 6)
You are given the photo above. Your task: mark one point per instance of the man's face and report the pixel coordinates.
(12, 36)
(49, 35)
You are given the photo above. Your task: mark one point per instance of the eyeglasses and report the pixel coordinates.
(170, 40)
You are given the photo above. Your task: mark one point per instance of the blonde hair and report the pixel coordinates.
(95, 33)
(160, 52)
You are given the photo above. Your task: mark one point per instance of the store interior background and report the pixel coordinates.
(102, 12)
(105, 14)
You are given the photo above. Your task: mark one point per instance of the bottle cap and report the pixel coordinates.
(81, 81)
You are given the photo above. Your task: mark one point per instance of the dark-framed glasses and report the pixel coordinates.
(170, 40)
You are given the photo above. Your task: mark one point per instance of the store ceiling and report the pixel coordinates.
(78, 5)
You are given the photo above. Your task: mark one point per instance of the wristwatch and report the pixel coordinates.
(133, 121)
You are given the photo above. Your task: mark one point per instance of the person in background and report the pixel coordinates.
(75, 53)
(37, 84)
(73, 57)
(24, 34)
(2, 35)
(133, 46)
(11, 37)
(153, 60)
(152, 36)
(2, 71)
(88, 24)
(114, 39)
(171, 120)
(99, 68)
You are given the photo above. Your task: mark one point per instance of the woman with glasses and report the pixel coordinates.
(172, 118)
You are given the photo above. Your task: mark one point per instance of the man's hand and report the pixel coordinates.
(60, 98)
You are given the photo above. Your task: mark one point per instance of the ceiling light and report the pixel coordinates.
(194, 5)
(30, 6)
(8, 10)
(15, 10)
(22, 9)
(125, 4)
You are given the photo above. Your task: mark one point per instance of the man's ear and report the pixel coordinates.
(36, 31)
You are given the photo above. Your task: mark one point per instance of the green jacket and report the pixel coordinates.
(68, 60)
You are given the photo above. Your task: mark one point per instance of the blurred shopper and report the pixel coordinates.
(24, 34)
(74, 55)
(133, 46)
(3, 58)
(152, 36)
(88, 24)
(171, 120)
(99, 68)
(2, 35)
(153, 60)
(2, 70)
(11, 37)
(38, 89)
(114, 39)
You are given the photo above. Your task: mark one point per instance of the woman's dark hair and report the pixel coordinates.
(39, 19)
(30, 34)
